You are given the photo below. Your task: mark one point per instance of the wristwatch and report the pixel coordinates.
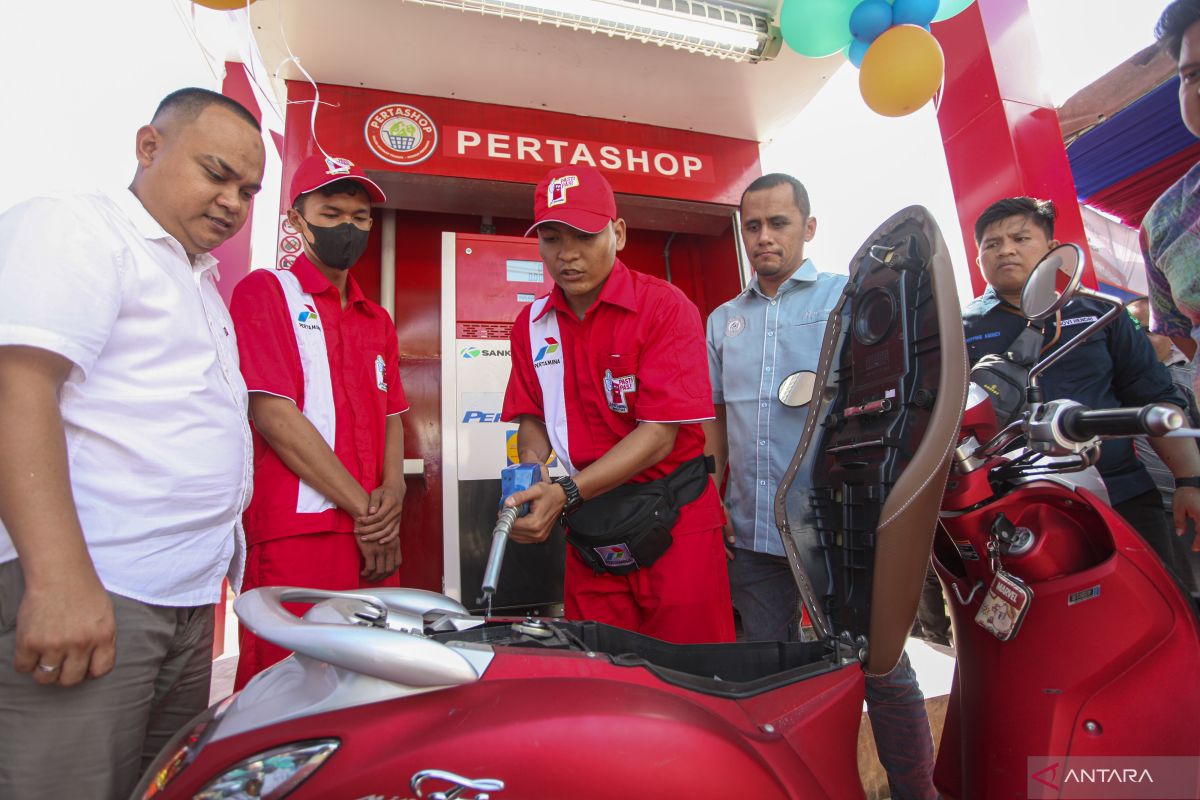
(1190, 482)
(574, 500)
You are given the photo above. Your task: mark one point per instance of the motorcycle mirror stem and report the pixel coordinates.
(1041, 298)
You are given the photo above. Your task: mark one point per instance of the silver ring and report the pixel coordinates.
(46, 668)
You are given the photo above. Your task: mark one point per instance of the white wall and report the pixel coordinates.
(79, 77)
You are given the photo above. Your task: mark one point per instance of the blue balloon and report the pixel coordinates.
(913, 12)
(855, 51)
(869, 19)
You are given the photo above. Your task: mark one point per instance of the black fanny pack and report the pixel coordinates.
(630, 526)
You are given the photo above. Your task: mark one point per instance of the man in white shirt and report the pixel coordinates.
(126, 456)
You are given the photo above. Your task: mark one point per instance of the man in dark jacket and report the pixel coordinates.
(1116, 367)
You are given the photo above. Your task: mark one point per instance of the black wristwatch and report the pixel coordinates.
(1190, 482)
(574, 500)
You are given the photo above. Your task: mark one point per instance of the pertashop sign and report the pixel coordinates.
(552, 151)
(389, 131)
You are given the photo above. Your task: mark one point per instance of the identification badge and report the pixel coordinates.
(615, 390)
(1004, 606)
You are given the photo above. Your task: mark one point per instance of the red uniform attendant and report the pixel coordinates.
(355, 338)
(321, 363)
(634, 358)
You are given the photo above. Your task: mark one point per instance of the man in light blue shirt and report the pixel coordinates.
(769, 331)
(756, 340)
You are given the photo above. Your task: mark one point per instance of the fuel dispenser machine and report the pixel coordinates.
(486, 281)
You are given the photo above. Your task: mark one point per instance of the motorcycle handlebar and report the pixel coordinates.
(1080, 424)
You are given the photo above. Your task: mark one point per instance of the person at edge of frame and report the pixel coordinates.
(126, 462)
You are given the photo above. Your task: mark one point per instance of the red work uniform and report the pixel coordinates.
(295, 536)
(643, 333)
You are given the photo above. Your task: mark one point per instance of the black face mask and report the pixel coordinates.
(338, 246)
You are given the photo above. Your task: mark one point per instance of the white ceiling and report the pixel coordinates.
(397, 46)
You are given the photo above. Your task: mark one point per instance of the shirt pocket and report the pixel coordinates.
(619, 382)
(799, 346)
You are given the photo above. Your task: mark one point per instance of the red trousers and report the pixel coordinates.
(683, 597)
(312, 560)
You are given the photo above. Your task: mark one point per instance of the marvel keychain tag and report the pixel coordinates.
(1004, 606)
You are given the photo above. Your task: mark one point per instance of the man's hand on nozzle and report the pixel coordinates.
(546, 501)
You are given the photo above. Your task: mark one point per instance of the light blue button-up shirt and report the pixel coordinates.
(754, 342)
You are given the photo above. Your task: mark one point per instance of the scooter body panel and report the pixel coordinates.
(570, 724)
(1092, 669)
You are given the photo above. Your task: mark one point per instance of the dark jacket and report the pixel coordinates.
(1116, 367)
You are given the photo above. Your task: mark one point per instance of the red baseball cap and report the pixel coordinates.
(575, 196)
(317, 171)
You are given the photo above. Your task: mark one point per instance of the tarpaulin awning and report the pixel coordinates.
(1122, 165)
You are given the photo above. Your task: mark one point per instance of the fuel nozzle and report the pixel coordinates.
(513, 479)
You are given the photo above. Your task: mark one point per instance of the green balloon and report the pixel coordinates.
(950, 8)
(816, 28)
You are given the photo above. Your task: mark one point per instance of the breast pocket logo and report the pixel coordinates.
(547, 355)
(308, 319)
(615, 390)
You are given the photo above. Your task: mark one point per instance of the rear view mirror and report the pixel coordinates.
(1041, 296)
(797, 389)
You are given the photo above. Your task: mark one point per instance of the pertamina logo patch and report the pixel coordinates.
(401, 134)
(556, 192)
(309, 319)
(615, 390)
(545, 355)
(616, 555)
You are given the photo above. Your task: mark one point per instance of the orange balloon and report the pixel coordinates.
(901, 71)
(222, 5)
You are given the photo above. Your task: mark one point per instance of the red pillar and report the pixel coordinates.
(999, 127)
(234, 254)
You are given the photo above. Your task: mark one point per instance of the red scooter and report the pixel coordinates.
(403, 693)
(1078, 671)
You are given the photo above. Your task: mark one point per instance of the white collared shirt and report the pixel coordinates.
(155, 409)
